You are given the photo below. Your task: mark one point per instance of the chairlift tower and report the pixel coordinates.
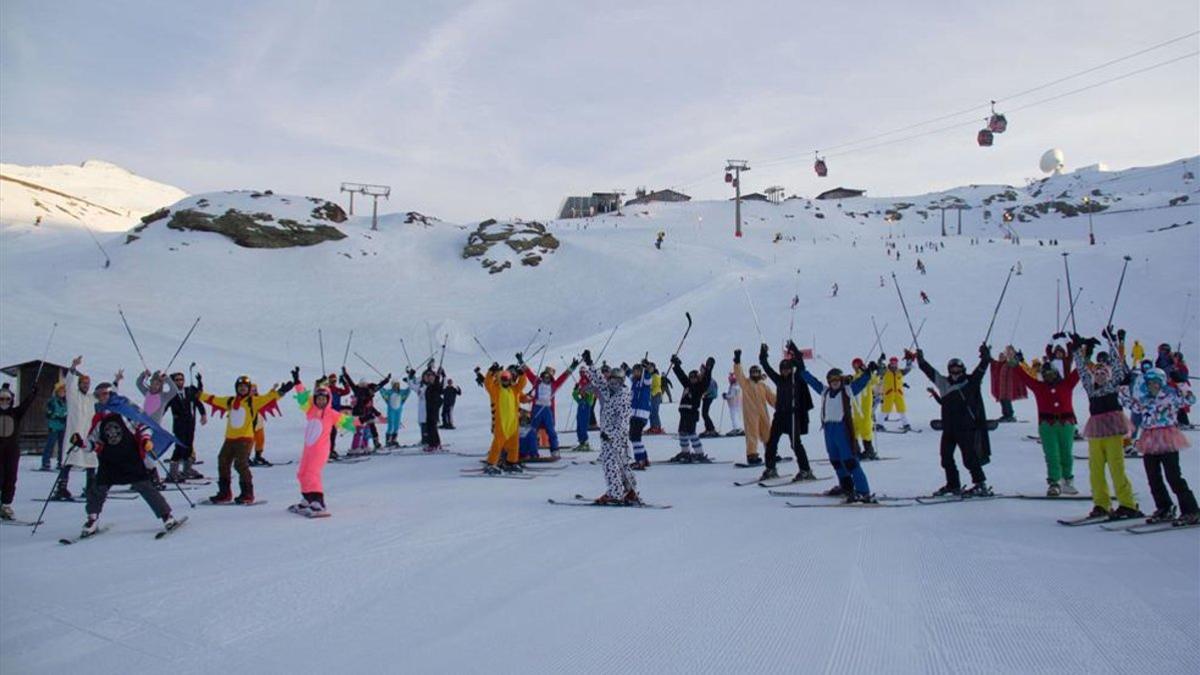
(372, 191)
(733, 175)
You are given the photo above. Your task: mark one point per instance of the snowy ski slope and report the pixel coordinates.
(420, 570)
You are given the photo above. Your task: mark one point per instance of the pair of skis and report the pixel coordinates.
(68, 541)
(580, 500)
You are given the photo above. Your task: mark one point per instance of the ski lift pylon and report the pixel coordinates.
(819, 166)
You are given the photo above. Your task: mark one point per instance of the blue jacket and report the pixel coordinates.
(639, 391)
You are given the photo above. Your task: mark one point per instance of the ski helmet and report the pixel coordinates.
(244, 379)
(857, 363)
(833, 374)
(955, 363)
(1155, 375)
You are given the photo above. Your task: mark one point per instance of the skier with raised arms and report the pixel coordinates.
(792, 403)
(756, 420)
(695, 385)
(837, 423)
(615, 419)
(320, 418)
(964, 422)
(242, 411)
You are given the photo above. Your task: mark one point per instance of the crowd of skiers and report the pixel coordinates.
(117, 442)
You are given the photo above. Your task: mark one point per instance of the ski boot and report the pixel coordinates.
(508, 467)
(1068, 487)
(1123, 513)
(1188, 519)
(6, 512)
(946, 491)
(879, 427)
(769, 473)
(906, 428)
(244, 499)
(1162, 515)
(632, 498)
(222, 497)
(299, 508)
(835, 491)
(583, 447)
(1101, 512)
(803, 476)
(870, 455)
(754, 460)
(90, 527)
(684, 457)
(62, 495)
(169, 523)
(860, 498)
(701, 458)
(554, 455)
(1053, 490)
(491, 470)
(605, 500)
(978, 490)
(192, 474)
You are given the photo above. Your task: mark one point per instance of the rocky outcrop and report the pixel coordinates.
(526, 242)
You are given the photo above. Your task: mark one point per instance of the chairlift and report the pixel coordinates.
(820, 167)
(997, 123)
(728, 177)
(984, 138)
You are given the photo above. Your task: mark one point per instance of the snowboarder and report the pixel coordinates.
(320, 418)
(242, 411)
(504, 389)
(10, 446)
(1006, 386)
(543, 389)
(837, 423)
(864, 408)
(184, 409)
(792, 403)
(449, 398)
(56, 424)
(1056, 424)
(615, 420)
(394, 399)
(1161, 440)
(1105, 433)
(964, 422)
(893, 390)
(695, 385)
(122, 447)
(733, 400)
(756, 396)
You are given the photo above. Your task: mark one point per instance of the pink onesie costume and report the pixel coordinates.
(317, 441)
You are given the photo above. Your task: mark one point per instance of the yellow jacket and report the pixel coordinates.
(893, 386)
(1139, 353)
(242, 412)
(656, 385)
(864, 416)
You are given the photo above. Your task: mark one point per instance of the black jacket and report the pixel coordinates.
(119, 450)
(10, 423)
(791, 393)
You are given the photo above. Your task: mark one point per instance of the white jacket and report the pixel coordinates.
(80, 410)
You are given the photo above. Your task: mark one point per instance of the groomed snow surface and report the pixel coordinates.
(421, 570)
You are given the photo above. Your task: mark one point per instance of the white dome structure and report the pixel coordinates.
(1052, 161)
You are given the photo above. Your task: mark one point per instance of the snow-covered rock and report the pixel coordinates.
(253, 219)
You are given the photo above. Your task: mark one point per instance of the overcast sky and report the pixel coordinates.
(497, 109)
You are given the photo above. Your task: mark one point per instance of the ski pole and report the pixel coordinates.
(1120, 283)
(346, 354)
(45, 353)
(360, 358)
(1058, 302)
(998, 303)
(442, 358)
(1067, 267)
(753, 312)
(321, 341)
(1071, 313)
(795, 303)
(409, 361)
(605, 347)
(919, 329)
(485, 351)
(181, 344)
(62, 473)
(905, 308)
(542, 360)
(1016, 323)
(685, 333)
(721, 419)
(878, 339)
(527, 345)
(158, 458)
(132, 339)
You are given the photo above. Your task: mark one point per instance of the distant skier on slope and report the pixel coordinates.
(964, 422)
